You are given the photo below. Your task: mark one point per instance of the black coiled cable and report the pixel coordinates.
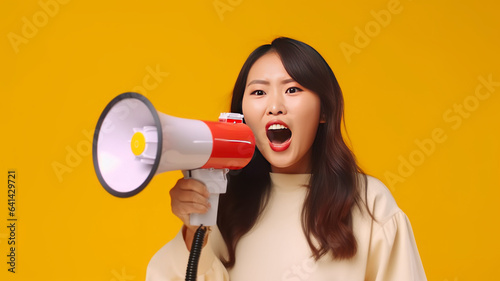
(194, 255)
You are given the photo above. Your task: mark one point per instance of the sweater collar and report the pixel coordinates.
(289, 182)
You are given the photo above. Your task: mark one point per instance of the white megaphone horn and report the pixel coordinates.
(133, 143)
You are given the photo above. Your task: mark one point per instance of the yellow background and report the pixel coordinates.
(399, 83)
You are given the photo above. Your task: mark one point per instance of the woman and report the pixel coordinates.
(302, 209)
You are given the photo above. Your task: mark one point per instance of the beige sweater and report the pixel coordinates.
(276, 248)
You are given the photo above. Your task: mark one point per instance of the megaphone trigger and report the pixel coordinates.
(216, 182)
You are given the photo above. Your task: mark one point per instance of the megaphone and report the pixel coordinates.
(133, 143)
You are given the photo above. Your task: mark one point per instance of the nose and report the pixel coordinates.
(276, 105)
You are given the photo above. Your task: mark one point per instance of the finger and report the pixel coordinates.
(192, 197)
(188, 196)
(184, 209)
(193, 185)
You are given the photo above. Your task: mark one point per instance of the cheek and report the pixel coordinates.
(311, 134)
(310, 122)
(250, 114)
(247, 112)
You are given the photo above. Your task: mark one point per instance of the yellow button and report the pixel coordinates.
(138, 143)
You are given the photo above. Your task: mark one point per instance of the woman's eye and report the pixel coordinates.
(293, 90)
(258, 93)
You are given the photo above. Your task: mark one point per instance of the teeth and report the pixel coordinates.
(277, 127)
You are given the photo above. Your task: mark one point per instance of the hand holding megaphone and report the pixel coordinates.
(133, 143)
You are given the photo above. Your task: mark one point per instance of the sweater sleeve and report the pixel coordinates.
(170, 263)
(393, 252)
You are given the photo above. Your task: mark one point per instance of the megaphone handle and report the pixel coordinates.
(209, 218)
(216, 183)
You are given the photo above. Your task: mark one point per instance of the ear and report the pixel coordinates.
(322, 118)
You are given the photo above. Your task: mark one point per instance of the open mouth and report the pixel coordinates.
(278, 134)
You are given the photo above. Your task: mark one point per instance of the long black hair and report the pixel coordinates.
(334, 188)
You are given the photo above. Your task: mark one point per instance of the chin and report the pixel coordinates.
(281, 162)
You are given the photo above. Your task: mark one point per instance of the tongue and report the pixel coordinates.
(279, 136)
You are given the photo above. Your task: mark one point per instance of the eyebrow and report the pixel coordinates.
(257, 81)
